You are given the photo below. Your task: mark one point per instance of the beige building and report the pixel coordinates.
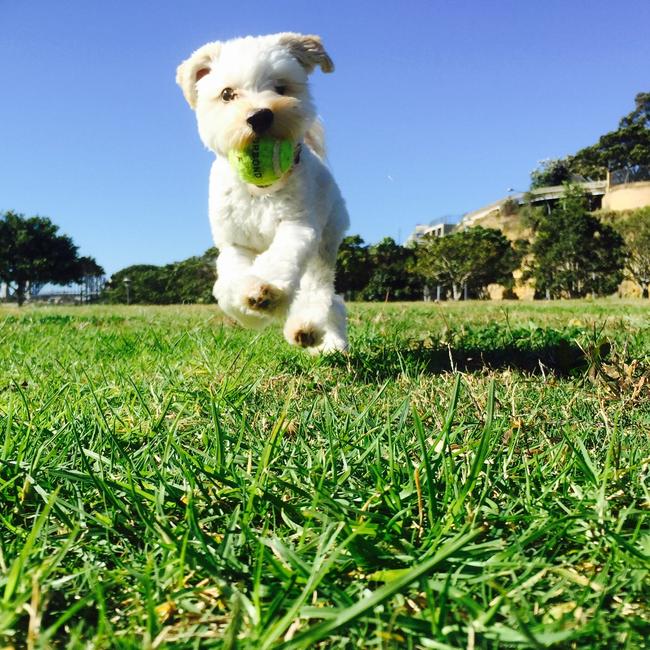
(627, 189)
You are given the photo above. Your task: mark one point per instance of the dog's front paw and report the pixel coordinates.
(304, 335)
(260, 296)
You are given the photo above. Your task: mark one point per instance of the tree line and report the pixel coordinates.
(571, 253)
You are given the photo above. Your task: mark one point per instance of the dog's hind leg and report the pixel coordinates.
(317, 318)
(336, 332)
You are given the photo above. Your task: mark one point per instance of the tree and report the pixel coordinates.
(146, 285)
(353, 266)
(92, 278)
(188, 281)
(635, 230)
(471, 258)
(628, 146)
(573, 253)
(550, 172)
(192, 279)
(393, 276)
(31, 251)
(641, 113)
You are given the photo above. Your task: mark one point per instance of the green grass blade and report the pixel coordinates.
(364, 606)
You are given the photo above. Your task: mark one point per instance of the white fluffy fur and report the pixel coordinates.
(277, 245)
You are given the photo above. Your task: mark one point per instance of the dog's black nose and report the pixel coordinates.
(261, 120)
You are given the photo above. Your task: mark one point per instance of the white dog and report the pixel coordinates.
(277, 244)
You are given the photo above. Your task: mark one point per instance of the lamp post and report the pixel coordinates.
(127, 284)
(516, 195)
(516, 191)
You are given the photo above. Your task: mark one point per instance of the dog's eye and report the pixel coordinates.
(228, 94)
(281, 90)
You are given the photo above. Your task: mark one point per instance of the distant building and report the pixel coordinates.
(438, 229)
(435, 229)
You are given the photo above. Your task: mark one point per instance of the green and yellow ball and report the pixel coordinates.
(264, 161)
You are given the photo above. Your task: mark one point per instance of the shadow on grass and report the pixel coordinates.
(492, 347)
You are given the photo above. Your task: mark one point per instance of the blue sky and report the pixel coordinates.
(435, 108)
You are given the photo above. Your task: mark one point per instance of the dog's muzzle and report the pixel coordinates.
(261, 120)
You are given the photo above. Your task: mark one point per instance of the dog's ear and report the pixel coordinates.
(196, 67)
(308, 50)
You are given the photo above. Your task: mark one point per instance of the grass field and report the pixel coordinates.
(471, 476)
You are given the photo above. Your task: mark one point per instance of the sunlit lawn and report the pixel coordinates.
(471, 475)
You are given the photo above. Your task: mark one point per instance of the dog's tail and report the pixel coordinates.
(315, 138)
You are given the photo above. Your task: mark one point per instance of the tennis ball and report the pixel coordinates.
(263, 161)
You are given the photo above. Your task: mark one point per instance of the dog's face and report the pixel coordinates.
(252, 86)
